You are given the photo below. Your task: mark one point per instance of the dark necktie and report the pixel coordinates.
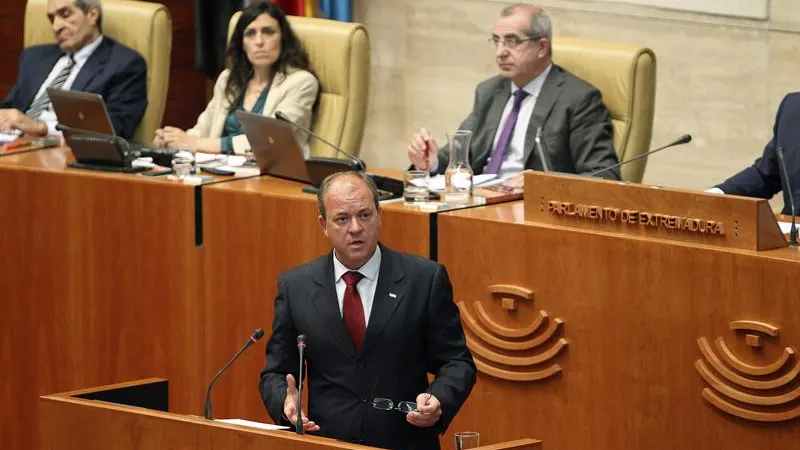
(43, 101)
(353, 309)
(505, 136)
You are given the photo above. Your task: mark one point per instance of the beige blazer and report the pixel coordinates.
(293, 94)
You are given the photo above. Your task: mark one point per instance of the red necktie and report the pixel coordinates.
(353, 310)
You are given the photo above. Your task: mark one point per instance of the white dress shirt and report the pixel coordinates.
(514, 157)
(48, 116)
(366, 287)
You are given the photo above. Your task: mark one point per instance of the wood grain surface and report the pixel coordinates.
(633, 311)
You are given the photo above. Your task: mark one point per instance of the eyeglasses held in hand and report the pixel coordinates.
(386, 404)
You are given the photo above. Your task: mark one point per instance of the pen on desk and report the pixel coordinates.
(19, 143)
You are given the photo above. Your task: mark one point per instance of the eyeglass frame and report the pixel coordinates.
(392, 406)
(511, 44)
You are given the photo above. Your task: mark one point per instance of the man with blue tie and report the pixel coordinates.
(530, 96)
(82, 60)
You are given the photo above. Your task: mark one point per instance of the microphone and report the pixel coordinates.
(685, 139)
(357, 163)
(257, 334)
(301, 347)
(787, 188)
(540, 151)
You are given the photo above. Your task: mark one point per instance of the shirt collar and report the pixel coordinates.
(86, 51)
(369, 269)
(534, 86)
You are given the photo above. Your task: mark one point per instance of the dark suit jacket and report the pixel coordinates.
(577, 130)
(413, 330)
(763, 178)
(114, 71)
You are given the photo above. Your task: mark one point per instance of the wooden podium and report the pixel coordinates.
(135, 416)
(626, 335)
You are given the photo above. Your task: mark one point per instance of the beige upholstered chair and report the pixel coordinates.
(143, 26)
(626, 76)
(340, 57)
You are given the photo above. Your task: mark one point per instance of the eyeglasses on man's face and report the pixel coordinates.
(510, 42)
(386, 404)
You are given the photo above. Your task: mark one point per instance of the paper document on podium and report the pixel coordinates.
(249, 423)
(785, 227)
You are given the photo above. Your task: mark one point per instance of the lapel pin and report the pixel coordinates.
(392, 294)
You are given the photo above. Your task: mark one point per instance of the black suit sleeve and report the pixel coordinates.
(762, 179)
(126, 97)
(447, 355)
(591, 137)
(282, 357)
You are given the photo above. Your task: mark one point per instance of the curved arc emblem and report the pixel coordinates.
(761, 393)
(516, 353)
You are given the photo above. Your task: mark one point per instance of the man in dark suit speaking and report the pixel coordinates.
(763, 178)
(83, 60)
(529, 94)
(377, 322)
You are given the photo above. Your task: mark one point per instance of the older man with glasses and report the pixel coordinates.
(530, 97)
(82, 59)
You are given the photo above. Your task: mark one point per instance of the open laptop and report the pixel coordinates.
(86, 124)
(277, 153)
(81, 111)
(274, 147)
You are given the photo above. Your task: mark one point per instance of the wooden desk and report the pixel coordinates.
(631, 312)
(99, 282)
(135, 415)
(102, 280)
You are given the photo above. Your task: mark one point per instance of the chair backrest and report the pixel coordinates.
(143, 26)
(626, 76)
(340, 57)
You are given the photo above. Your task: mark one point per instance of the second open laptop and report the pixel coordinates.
(274, 147)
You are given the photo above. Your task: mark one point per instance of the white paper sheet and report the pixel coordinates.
(785, 227)
(249, 423)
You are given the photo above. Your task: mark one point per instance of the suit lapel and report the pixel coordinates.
(273, 95)
(38, 79)
(548, 95)
(492, 123)
(93, 66)
(389, 293)
(327, 306)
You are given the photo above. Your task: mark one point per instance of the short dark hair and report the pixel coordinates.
(84, 6)
(328, 181)
(293, 55)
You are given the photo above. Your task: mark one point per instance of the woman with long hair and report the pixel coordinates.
(268, 71)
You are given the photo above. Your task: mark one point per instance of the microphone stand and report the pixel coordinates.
(301, 346)
(787, 188)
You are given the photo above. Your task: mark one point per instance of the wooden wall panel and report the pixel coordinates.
(632, 311)
(97, 285)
